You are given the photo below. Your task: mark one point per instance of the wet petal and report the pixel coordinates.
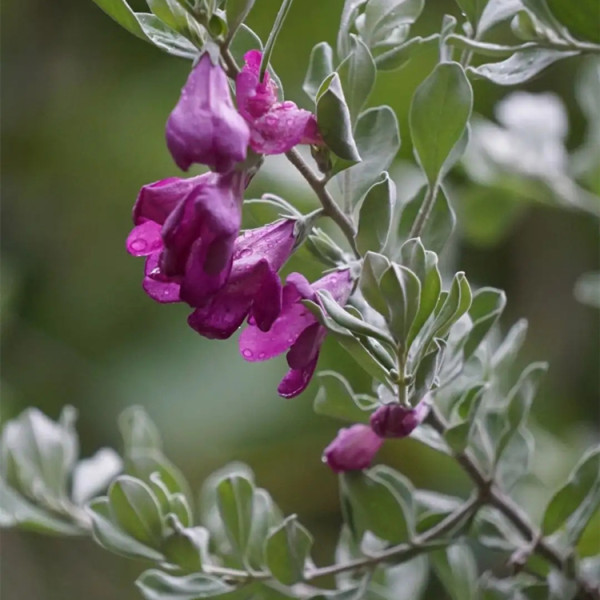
(297, 380)
(145, 239)
(254, 98)
(353, 449)
(161, 291)
(221, 317)
(204, 126)
(306, 347)
(258, 345)
(280, 129)
(157, 200)
(266, 302)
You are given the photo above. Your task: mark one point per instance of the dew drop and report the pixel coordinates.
(138, 245)
(261, 355)
(247, 353)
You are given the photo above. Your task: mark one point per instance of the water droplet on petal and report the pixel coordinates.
(261, 355)
(138, 245)
(247, 353)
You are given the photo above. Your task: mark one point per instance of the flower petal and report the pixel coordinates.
(280, 129)
(204, 126)
(306, 347)
(222, 316)
(353, 449)
(161, 291)
(257, 345)
(297, 380)
(145, 239)
(254, 98)
(157, 200)
(266, 303)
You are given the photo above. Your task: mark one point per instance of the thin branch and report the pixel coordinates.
(491, 493)
(330, 208)
(425, 210)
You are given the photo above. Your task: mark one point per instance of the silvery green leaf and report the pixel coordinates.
(163, 37)
(244, 39)
(237, 11)
(404, 489)
(439, 226)
(430, 437)
(209, 510)
(395, 58)
(433, 507)
(357, 75)
(93, 474)
(235, 496)
(138, 430)
(135, 510)
(473, 9)
(520, 67)
(576, 502)
(349, 14)
(320, 66)
(518, 404)
(402, 291)
(359, 352)
(333, 118)
(377, 138)
(424, 264)
(371, 504)
(456, 304)
(156, 585)
(15, 510)
(406, 581)
(173, 15)
(375, 216)
(335, 398)
(439, 113)
(495, 12)
(287, 550)
(347, 320)
(186, 547)
(110, 536)
(457, 571)
(383, 17)
(38, 454)
(486, 308)
(517, 458)
(121, 12)
(265, 516)
(374, 266)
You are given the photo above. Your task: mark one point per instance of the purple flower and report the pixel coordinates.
(187, 229)
(253, 285)
(296, 329)
(353, 449)
(275, 127)
(204, 126)
(396, 420)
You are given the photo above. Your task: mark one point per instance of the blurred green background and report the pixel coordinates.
(84, 108)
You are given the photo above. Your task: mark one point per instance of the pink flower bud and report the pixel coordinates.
(353, 449)
(396, 420)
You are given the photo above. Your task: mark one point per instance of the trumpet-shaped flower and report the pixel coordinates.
(253, 287)
(352, 449)
(296, 329)
(187, 229)
(275, 127)
(204, 126)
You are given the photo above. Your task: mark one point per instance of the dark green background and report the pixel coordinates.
(84, 108)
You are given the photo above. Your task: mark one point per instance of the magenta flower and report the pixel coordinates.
(187, 229)
(353, 449)
(204, 126)
(253, 287)
(396, 420)
(296, 329)
(275, 127)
